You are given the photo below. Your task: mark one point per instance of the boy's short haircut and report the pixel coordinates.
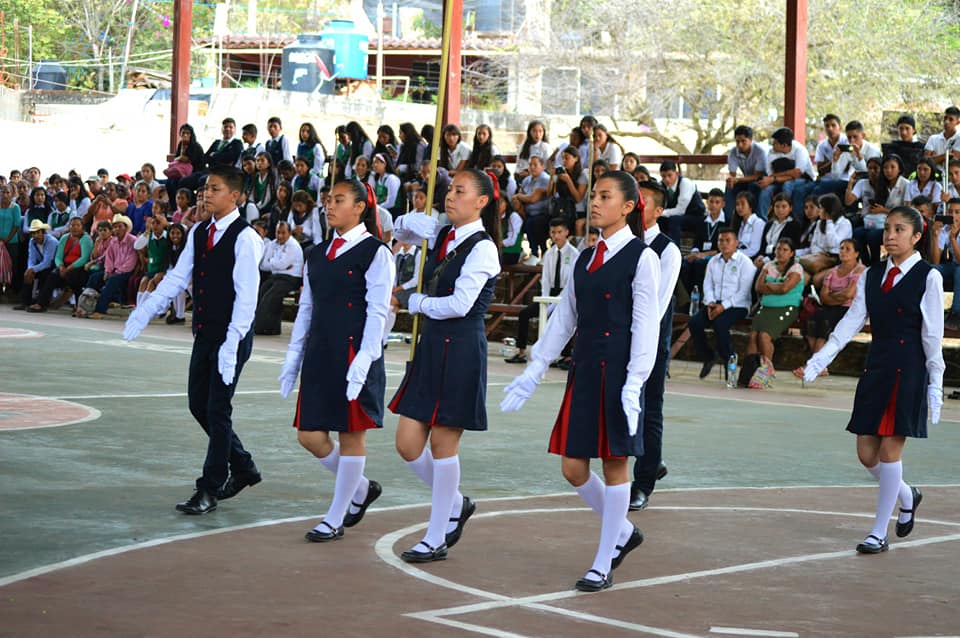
(250, 129)
(854, 125)
(259, 223)
(560, 221)
(100, 172)
(62, 197)
(952, 110)
(668, 165)
(228, 120)
(783, 135)
(727, 230)
(715, 192)
(906, 118)
(275, 120)
(953, 200)
(284, 165)
(594, 231)
(743, 130)
(105, 224)
(656, 189)
(830, 117)
(301, 159)
(920, 200)
(230, 175)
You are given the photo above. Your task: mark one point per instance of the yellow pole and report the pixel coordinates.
(448, 25)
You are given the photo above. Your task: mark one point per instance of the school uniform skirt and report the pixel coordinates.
(891, 398)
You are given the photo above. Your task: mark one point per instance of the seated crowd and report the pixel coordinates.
(783, 243)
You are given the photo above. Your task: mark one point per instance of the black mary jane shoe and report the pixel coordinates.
(466, 511)
(432, 554)
(318, 536)
(590, 586)
(904, 529)
(373, 493)
(632, 543)
(870, 548)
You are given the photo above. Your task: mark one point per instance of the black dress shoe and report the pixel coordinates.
(661, 470)
(429, 556)
(373, 493)
(173, 320)
(707, 367)
(237, 482)
(632, 543)
(200, 503)
(466, 511)
(871, 548)
(606, 580)
(904, 529)
(319, 536)
(517, 358)
(639, 502)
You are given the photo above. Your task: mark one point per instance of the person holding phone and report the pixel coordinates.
(944, 252)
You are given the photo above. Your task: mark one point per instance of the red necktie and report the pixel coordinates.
(888, 282)
(598, 257)
(210, 233)
(443, 247)
(337, 242)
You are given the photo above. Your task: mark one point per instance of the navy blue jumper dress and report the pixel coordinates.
(591, 423)
(891, 398)
(446, 383)
(339, 289)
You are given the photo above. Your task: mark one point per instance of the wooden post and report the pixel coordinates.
(180, 84)
(795, 85)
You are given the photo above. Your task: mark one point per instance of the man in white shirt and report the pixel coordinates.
(726, 293)
(746, 164)
(847, 161)
(941, 145)
(683, 207)
(788, 169)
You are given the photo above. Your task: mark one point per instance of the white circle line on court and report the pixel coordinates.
(92, 413)
(22, 333)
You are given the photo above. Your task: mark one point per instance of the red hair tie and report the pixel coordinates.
(372, 205)
(496, 185)
(641, 205)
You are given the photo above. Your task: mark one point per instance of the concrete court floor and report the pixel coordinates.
(113, 480)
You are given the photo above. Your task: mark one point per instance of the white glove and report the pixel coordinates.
(420, 224)
(415, 300)
(630, 400)
(813, 368)
(357, 374)
(227, 358)
(289, 372)
(522, 387)
(935, 402)
(140, 317)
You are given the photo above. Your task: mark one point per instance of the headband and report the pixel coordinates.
(496, 185)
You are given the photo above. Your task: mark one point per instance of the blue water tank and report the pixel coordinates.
(48, 76)
(350, 48)
(307, 65)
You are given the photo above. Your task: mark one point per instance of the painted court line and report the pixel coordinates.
(736, 631)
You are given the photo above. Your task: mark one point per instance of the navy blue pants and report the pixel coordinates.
(721, 327)
(646, 466)
(210, 404)
(112, 290)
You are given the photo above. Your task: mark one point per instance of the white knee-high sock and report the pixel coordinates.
(446, 480)
(422, 466)
(331, 461)
(180, 305)
(616, 502)
(875, 471)
(905, 495)
(592, 493)
(349, 474)
(891, 475)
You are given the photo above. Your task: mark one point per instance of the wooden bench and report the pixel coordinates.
(514, 299)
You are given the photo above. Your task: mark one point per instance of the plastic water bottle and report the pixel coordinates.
(509, 347)
(732, 371)
(695, 301)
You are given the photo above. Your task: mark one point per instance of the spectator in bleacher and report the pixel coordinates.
(925, 183)
(119, 262)
(10, 220)
(953, 184)
(484, 150)
(781, 225)
(177, 235)
(422, 182)
(511, 232)
(148, 174)
(104, 232)
(863, 189)
(190, 147)
(264, 187)
(568, 190)
(939, 145)
(156, 244)
(607, 148)
(587, 123)
(93, 186)
(641, 174)
(32, 177)
(223, 152)
(829, 230)
(454, 152)
(706, 235)
(780, 287)
(38, 209)
(278, 145)
(534, 145)
(836, 293)
(305, 221)
(600, 168)
(140, 208)
(828, 151)
(558, 264)
(630, 162)
(59, 219)
(361, 172)
(287, 172)
(508, 185)
(280, 210)
(788, 170)
(847, 162)
(574, 139)
(746, 164)
(387, 143)
(906, 128)
(248, 135)
(306, 181)
(386, 185)
(354, 143)
(891, 193)
(411, 152)
(945, 248)
(73, 252)
(684, 207)
(79, 198)
(748, 224)
(283, 262)
(532, 204)
(41, 251)
(311, 148)
(726, 293)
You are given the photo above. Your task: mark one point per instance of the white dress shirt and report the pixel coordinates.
(939, 144)
(481, 265)
(460, 154)
(282, 259)
(567, 257)
(541, 149)
(931, 308)
(687, 191)
(613, 154)
(312, 227)
(379, 279)
(669, 268)
(514, 226)
(729, 282)
(750, 235)
(825, 151)
(247, 251)
(848, 163)
(828, 241)
(644, 321)
(801, 159)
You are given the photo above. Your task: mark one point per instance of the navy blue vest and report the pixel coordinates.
(213, 291)
(275, 149)
(658, 245)
(448, 277)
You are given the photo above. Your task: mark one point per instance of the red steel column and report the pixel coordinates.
(451, 103)
(795, 85)
(180, 85)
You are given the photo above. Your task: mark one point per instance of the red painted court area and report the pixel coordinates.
(760, 562)
(25, 411)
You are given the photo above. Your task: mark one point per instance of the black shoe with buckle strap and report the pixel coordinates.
(373, 493)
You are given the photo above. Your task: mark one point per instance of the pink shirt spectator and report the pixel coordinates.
(836, 283)
(121, 256)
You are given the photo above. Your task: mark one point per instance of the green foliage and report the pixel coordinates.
(426, 28)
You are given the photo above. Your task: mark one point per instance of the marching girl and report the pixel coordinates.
(336, 349)
(903, 376)
(612, 307)
(444, 390)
